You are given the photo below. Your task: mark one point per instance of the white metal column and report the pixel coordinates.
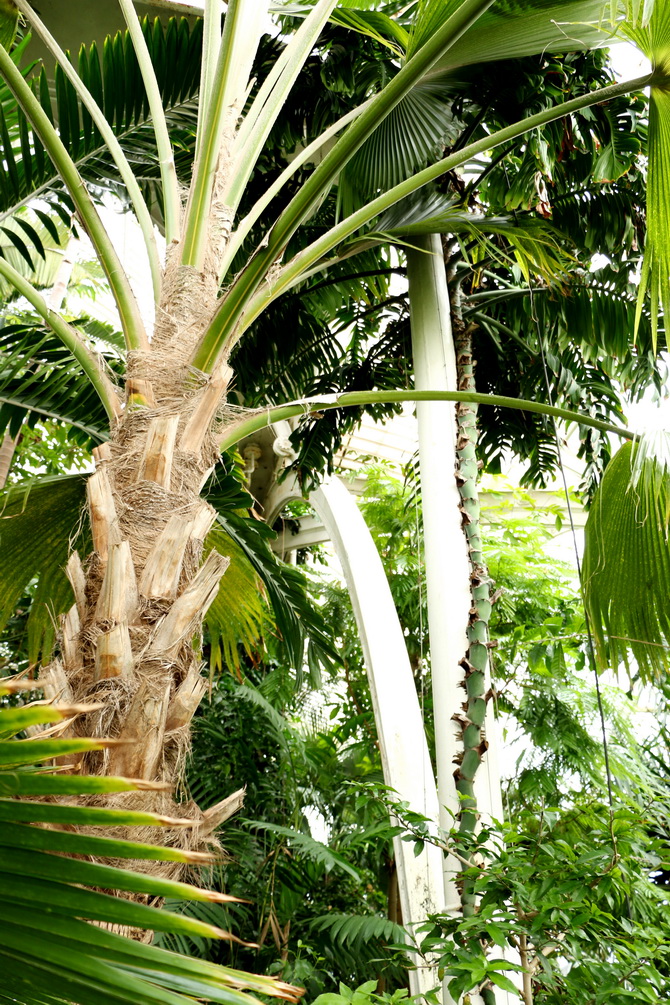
(400, 728)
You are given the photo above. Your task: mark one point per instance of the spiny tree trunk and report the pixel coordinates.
(474, 664)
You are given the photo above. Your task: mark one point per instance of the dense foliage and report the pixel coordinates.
(567, 882)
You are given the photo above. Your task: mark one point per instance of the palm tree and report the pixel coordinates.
(131, 638)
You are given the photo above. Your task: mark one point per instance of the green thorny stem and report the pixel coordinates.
(474, 663)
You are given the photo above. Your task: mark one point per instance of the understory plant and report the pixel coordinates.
(570, 896)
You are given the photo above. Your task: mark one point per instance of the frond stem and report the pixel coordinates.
(211, 44)
(308, 198)
(131, 319)
(306, 260)
(244, 226)
(90, 362)
(139, 205)
(171, 197)
(311, 406)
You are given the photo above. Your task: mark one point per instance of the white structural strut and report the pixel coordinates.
(402, 738)
(446, 556)
(445, 548)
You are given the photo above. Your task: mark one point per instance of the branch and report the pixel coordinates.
(312, 406)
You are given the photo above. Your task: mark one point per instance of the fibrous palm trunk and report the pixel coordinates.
(131, 642)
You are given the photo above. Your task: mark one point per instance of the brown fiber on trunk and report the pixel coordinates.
(130, 644)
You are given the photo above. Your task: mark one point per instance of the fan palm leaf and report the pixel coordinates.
(49, 894)
(626, 569)
(514, 28)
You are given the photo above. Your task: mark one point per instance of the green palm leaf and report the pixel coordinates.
(113, 78)
(49, 950)
(39, 379)
(240, 622)
(415, 131)
(515, 28)
(531, 243)
(37, 523)
(626, 570)
(652, 37)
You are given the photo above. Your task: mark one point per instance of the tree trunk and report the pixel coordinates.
(132, 640)
(8, 446)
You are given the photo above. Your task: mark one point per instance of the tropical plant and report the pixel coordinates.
(312, 761)
(132, 637)
(64, 936)
(140, 602)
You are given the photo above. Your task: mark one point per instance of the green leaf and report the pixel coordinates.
(307, 846)
(9, 19)
(503, 982)
(119, 90)
(236, 616)
(511, 29)
(91, 816)
(22, 783)
(626, 568)
(57, 868)
(43, 839)
(37, 522)
(14, 720)
(70, 900)
(18, 752)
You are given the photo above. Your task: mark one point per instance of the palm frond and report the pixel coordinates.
(113, 78)
(357, 939)
(39, 379)
(38, 522)
(49, 893)
(626, 569)
(415, 131)
(295, 619)
(237, 615)
(532, 242)
(307, 847)
(515, 28)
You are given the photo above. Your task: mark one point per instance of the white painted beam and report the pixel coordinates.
(400, 728)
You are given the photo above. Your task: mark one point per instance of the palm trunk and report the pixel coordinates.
(132, 640)
(8, 446)
(475, 661)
